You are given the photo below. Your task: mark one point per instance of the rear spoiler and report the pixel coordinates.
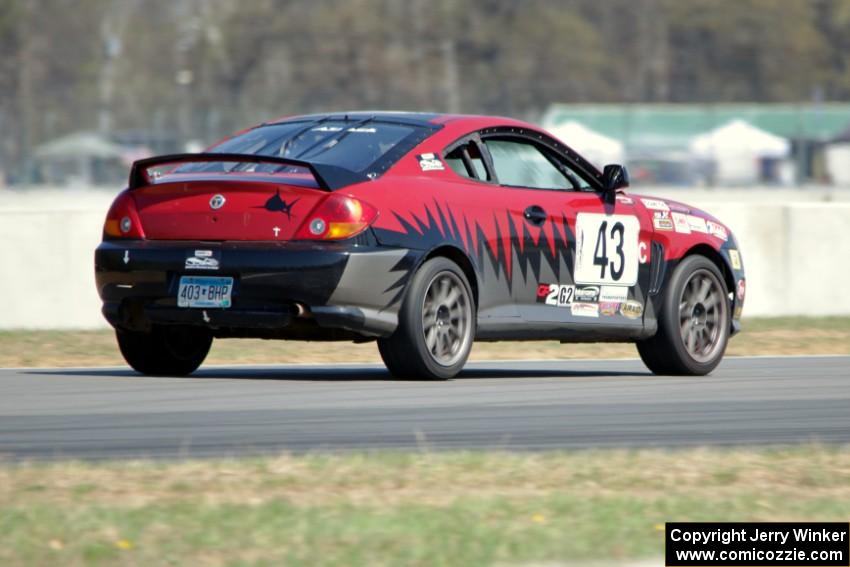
(329, 177)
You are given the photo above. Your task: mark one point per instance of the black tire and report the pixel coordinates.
(674, 350)
(407, 353)
(166, 350)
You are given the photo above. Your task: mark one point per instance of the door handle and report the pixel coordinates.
(535, 215)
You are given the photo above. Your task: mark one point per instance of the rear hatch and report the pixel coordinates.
(230, 208)
(223, 196)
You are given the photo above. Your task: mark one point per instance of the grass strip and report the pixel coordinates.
(434, 509)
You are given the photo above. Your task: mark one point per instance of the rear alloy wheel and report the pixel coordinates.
(166, 350)
(693, 324)
(436, 324)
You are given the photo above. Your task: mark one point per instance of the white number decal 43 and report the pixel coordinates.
(606, 249)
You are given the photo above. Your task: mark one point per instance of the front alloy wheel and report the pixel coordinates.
(693, 321)
(703, 315)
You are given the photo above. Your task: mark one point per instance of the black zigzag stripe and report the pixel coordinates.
(440, 226)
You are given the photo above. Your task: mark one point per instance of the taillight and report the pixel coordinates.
(122, 220)
(336, 218)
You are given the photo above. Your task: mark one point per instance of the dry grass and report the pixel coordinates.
(796, 335)
(434, 479)
(403, 509)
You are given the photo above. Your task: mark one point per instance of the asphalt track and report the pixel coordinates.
(104, 413)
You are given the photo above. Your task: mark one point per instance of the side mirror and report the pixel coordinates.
(614, 177)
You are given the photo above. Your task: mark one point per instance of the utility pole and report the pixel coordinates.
(450, 79)
(25, 94)
(111, 50)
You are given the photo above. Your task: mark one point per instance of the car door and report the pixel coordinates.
(578, 257)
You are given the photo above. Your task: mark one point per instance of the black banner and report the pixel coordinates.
(744, 544)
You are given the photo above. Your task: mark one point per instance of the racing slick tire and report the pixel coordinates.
(166, 350)
(693, 322)
(436, 324)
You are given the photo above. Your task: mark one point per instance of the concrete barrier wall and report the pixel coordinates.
(797, 255)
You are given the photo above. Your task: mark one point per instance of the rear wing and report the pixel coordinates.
(328, 177)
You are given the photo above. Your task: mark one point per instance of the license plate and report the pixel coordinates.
(209, 293)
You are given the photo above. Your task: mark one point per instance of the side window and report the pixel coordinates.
(466, 161)
(523, 164)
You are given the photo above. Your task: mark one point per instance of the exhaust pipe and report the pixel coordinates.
(302, 311)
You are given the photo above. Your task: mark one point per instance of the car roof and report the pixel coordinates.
(416, 118)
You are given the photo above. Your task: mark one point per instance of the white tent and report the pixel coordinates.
(837, 157)
(737, 149)
(597, 148)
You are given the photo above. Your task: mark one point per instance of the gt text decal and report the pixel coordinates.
(606, 249)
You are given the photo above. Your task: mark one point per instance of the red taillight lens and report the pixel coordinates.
(336, 218)
(122, 220)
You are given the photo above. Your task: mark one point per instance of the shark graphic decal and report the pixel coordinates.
(277, 204)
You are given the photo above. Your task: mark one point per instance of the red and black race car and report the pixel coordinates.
(423, 232)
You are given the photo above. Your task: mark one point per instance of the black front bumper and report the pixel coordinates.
(279, 289)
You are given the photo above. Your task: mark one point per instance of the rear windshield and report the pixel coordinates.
(355, 145)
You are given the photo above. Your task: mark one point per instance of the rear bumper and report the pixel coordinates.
(297, 290)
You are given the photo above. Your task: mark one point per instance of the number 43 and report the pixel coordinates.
(600, 254)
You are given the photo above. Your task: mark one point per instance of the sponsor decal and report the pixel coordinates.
(217, 202)
(661, 220)
(203, 253)
(697, 224)
(741, 290)
(585, 309)
(609, 308)
(361, 129)
(738, 310)
(194, 263)
(680, 223)
(735, 259)
(625, 200)
(430, 162)
(717, 230)
(589, 293)
(631, 309)
(126, 257)
(613, 293)
(555, 294)
(678, 208)
(655, 204)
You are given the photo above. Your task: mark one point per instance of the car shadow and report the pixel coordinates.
(339, 373)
